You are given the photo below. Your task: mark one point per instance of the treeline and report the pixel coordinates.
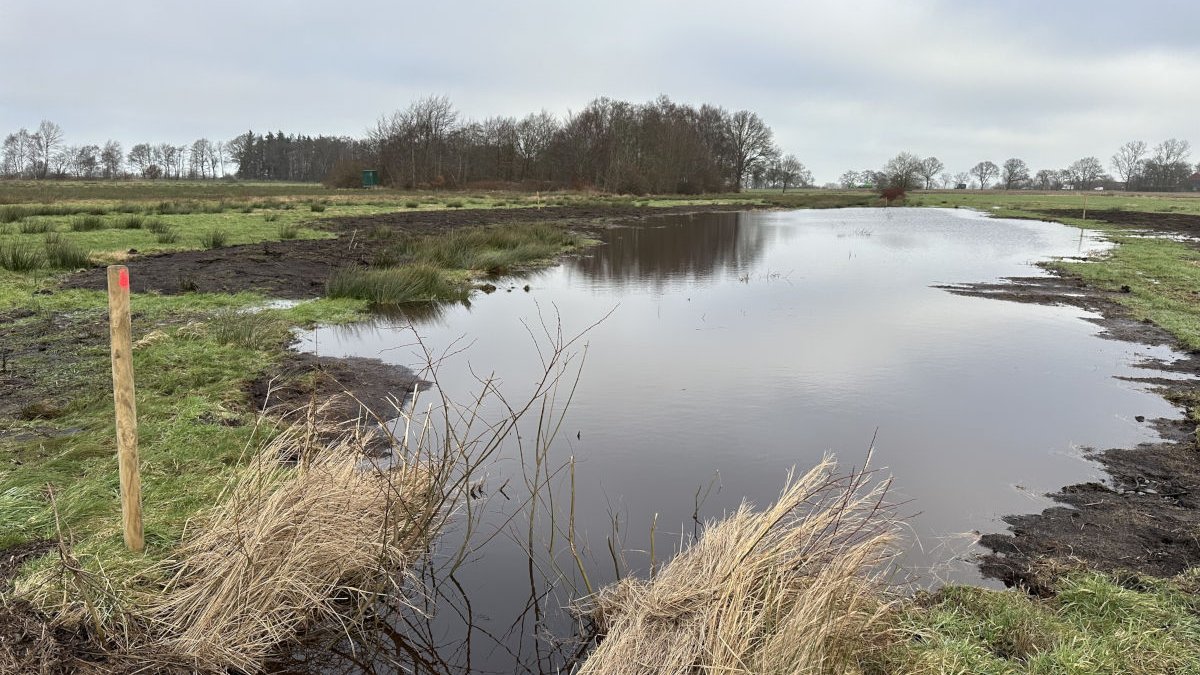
(1166, 168)
(44, 154)
(660, 146)
(277, 156)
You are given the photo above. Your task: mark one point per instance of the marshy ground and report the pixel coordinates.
(205, 365)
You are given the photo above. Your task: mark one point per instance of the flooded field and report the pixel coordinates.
(730, 348)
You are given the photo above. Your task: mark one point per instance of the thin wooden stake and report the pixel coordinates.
(126, 407)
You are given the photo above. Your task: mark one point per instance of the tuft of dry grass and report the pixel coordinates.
(790, 589)
(292, 547)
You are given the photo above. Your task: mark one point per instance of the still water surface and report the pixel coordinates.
(742, 345)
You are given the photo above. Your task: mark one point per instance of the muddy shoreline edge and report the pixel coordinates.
(1145, 517)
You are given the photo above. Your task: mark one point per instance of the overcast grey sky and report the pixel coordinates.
(844, 84)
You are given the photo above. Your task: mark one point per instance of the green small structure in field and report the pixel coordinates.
(370, 178)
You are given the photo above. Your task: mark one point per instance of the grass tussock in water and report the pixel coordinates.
(791, 589)
(287, 549)
(490, 249)
(394, 286)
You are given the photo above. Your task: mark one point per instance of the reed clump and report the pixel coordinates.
(794, 588)
(394, 285)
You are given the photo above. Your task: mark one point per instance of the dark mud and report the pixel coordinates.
(1146, 517)
(1185, 224)
(28, 644)
(338, 390)
(298, 269)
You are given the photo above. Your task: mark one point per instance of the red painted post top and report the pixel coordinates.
(123, 279)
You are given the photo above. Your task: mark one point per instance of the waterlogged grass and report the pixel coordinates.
(496, 250)
(1160, 280)
(395, 285)
(1095, 623)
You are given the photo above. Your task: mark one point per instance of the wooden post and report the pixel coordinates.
(126, 408)
(1085, 205)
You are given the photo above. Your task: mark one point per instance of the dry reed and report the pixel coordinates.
(290, 548)
(792, 589)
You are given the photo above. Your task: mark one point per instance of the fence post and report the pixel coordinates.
(126, 407)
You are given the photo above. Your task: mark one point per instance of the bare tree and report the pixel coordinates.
(1169, 167)
(1085, 173)
(984, 172)
(904, 171)
(961, 178)
(1046, 179)
(17, 151)
(1129, 161)
(112, 159)
(751, 142)
(219, 150)
(47, 141)
(930, 168)
(1015, 173)
(787, 172)
(141, 158)
(849, 180)
(198, 155)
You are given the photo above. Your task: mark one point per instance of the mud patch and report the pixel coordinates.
(298, 269)
(1146, 518)
(1185, 224)
(346, 390)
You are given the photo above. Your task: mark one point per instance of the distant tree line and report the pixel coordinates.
(277, 156)
(43, 154)
(1166, 168)
(659, 146)
(617, 146)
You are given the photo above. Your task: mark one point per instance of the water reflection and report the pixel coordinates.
(739, 346)
(671, 250)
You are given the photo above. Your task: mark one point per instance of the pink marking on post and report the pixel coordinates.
(123, 279)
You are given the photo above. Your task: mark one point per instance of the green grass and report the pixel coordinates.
(20, 257)
(214, 239)
(62, 253)
(1094, 624)
(496, 250)
(396, 286)
(87, 224)
(35, 227)
(1162, 278)
(133, 222)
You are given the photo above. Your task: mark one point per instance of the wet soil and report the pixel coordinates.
(1185, 224)
(298, 269)
(1145, 517)
(28, 644)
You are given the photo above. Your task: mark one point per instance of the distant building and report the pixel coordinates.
(1194, 181)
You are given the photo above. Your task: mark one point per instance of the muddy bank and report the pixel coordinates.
(1146, 516)
(338, 390)
(1185, 224)
(298, 269)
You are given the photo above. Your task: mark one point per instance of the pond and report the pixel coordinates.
(732, 347)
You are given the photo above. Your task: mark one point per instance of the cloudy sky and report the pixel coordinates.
(844, 84)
